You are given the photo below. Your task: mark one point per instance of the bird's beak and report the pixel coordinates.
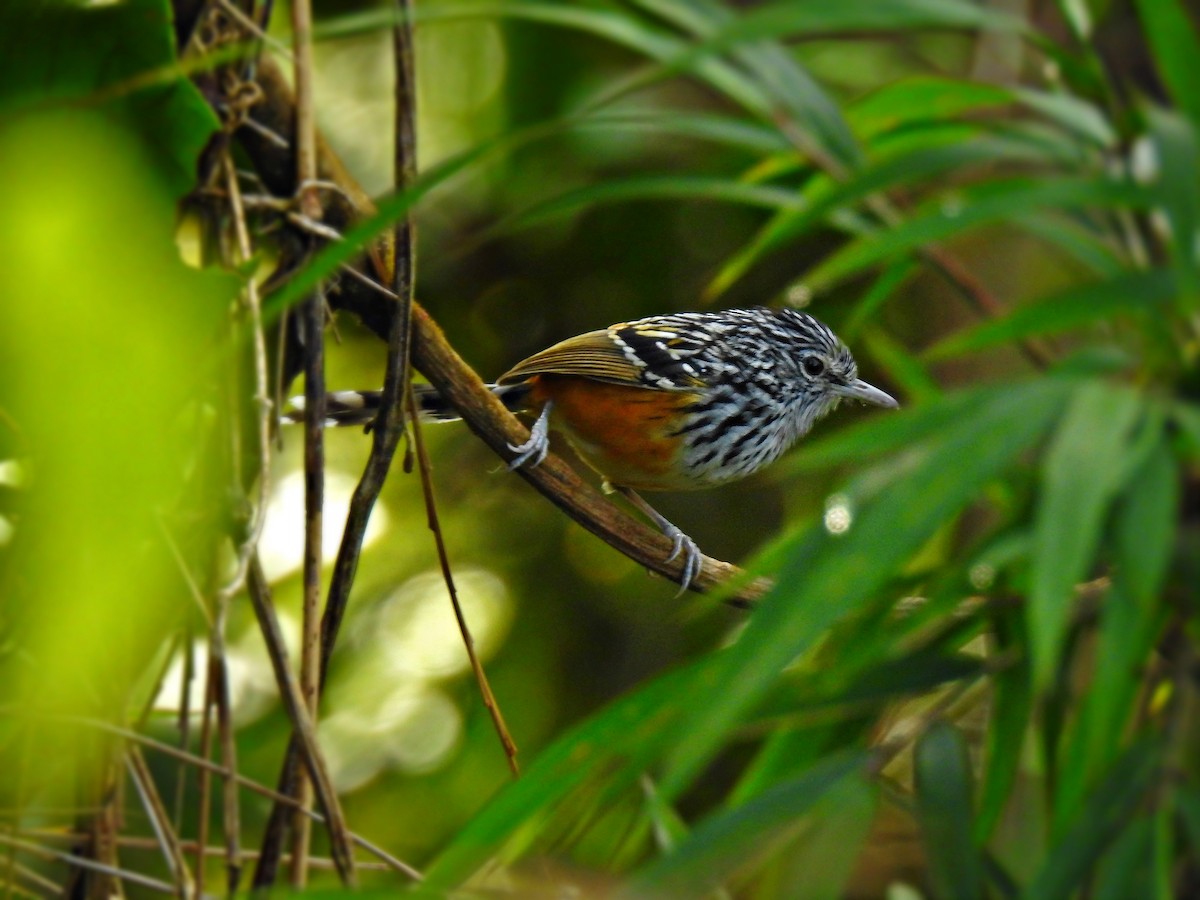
(867, 393)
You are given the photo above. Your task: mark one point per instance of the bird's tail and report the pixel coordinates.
(361, 407)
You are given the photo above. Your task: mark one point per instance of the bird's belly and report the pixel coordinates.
(627, 434)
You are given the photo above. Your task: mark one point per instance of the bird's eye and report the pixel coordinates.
(814, 366)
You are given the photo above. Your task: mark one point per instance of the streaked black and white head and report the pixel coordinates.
(767, 376)
(823, 369)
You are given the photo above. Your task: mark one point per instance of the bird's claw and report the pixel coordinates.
(537, 446)
(681, 543)
(532, 449)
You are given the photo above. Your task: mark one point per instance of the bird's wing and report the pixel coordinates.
(663, 353)
(591, 355)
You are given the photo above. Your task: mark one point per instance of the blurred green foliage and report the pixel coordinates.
(981, 682)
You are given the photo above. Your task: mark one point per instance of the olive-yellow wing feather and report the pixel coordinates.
(591, 355)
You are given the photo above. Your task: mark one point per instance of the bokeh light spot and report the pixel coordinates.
(838, 515)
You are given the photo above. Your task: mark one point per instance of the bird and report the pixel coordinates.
(675, 402)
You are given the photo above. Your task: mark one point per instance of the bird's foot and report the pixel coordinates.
(534, 450)
(681, 544)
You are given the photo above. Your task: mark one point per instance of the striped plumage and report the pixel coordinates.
(675, 402)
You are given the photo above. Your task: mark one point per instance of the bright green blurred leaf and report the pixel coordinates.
(1178, 188)
(732, 841)
(108, 354)
(922, 99)
(902, 367)
(1073, 113)
(1175, 48)
(1081, 473)
(614, 746)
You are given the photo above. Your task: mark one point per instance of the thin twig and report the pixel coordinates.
(88, 864)
(313, 325)
(314, 495)
(184, 719)
(135, 842)
(189, 579)
(485, 689)
(204, 781)
(262, 397)
(304, 729)
(230, 810)
(53, 889)
(251, 26)
(306, 122)
(164, 833)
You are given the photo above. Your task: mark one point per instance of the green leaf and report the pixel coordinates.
(1125, 870)
(1131, 619)
(903, 170)
(901, 431)
(1146, 527)
(1105, 815)
(1012, 708)
(1175, 50)
(821, 861)
(669, 826)
(889, 281)
(1186, 417)
(944, 808)
(904, 368)
(732, 840)
(1187, 799)
(831, 575)
(921, 99)
(645, 187)
(952, 216)
(117, 56)
(1178, 190)
(728, 131)
(1095, 251)
(617, 27)
(1076, 115)
(1081, 473)
(612, 748)
(783, 84)
(783, 19)
(1088, 304)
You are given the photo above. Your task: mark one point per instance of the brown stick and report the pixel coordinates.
(156, 812)
(303, 727)
(313, 320)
